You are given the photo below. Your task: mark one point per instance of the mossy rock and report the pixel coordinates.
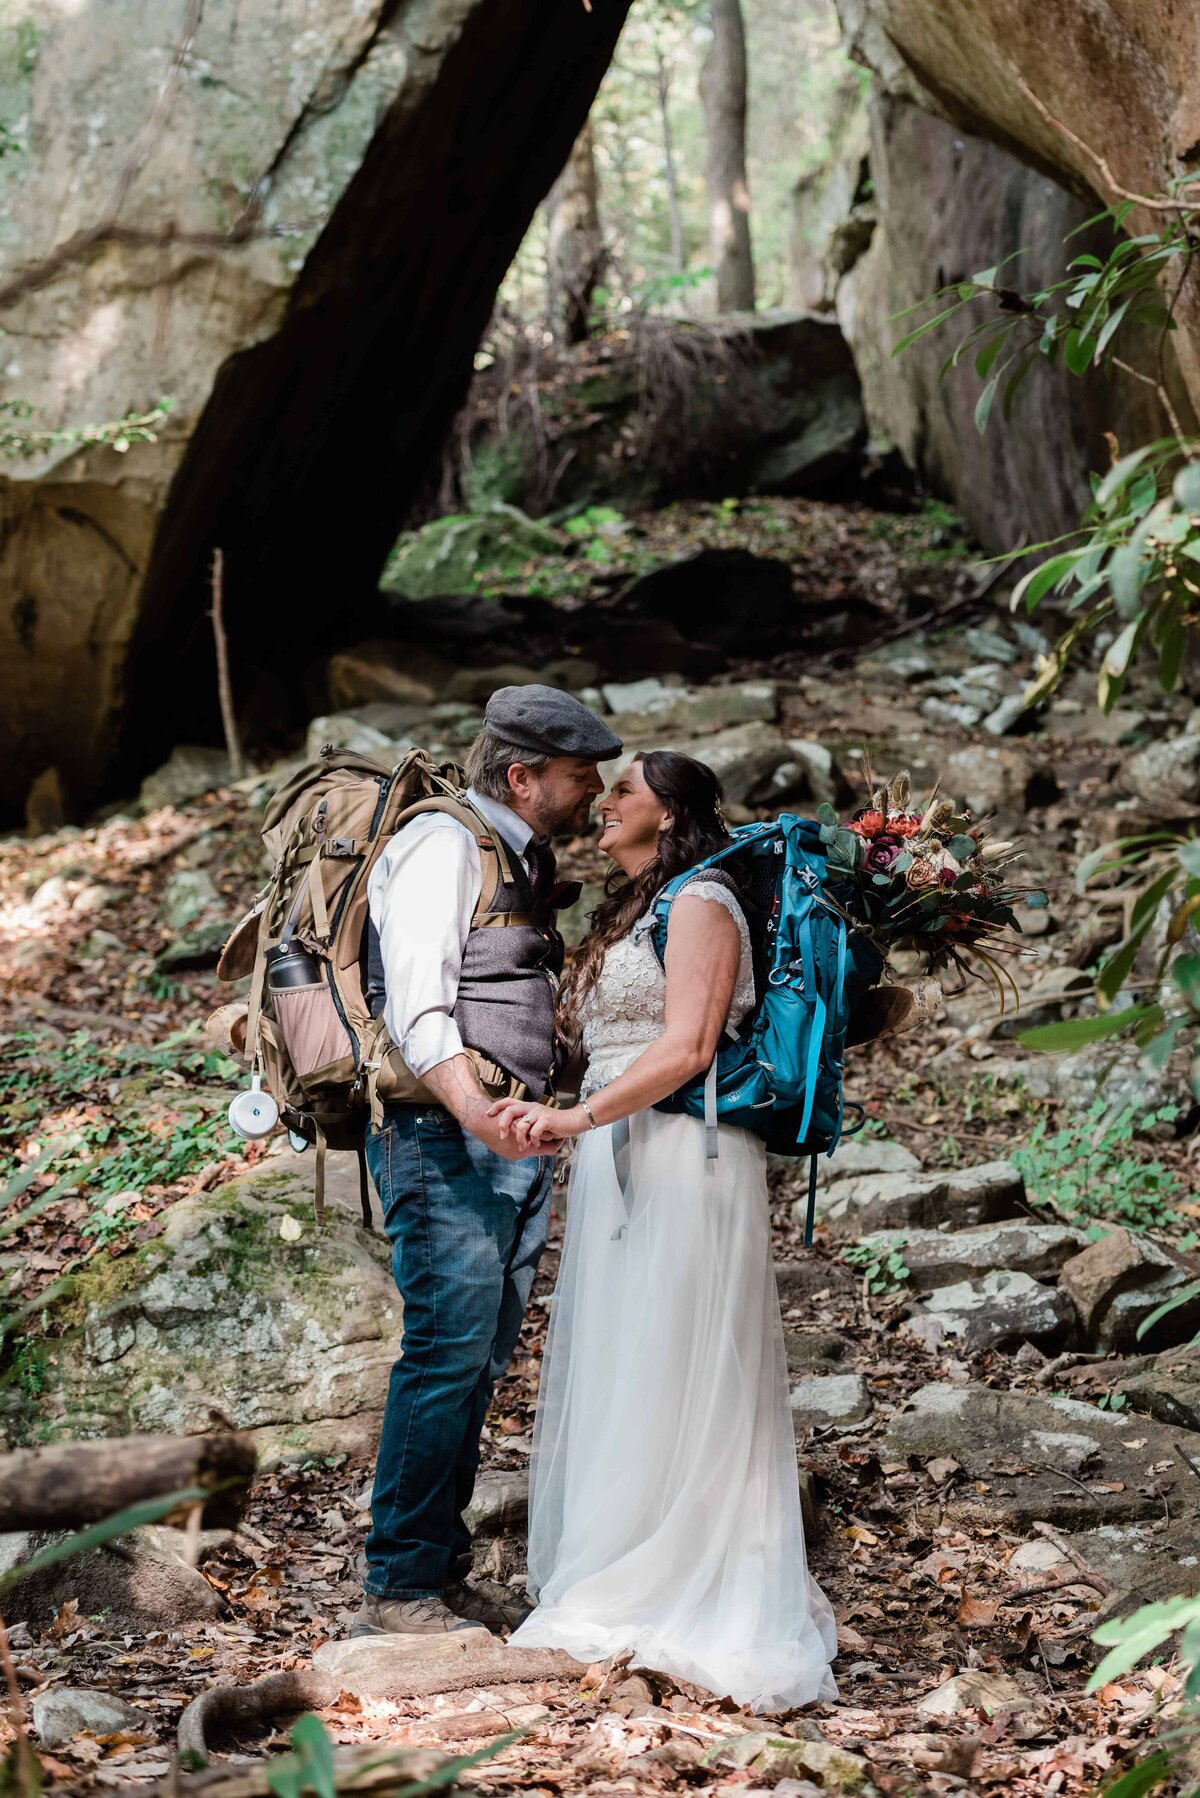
(449, 555)
(293, 1340)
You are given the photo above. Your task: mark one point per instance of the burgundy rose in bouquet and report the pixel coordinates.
(930, 878)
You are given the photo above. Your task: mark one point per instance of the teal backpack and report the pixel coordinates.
(780, 1073)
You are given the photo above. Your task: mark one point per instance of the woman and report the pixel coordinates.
(665, 1508)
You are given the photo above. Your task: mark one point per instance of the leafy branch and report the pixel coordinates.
(18, 439)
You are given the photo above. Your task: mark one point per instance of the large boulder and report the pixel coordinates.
(1103, 97)
(243, 1305)
(764, 402)
(946, 205)
(292, 222)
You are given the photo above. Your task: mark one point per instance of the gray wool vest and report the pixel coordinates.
(508, 987)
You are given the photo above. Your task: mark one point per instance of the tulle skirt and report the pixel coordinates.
(665, 1505)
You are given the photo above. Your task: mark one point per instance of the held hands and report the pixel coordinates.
(537, 1129)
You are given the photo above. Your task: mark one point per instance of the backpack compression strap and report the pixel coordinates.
(811, 1211)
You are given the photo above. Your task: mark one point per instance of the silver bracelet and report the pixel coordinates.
(590, 1114)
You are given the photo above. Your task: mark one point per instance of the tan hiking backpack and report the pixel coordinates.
(329, 1065)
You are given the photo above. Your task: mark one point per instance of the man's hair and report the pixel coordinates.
(489, 760)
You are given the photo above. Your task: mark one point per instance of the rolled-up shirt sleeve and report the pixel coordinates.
(422, 895)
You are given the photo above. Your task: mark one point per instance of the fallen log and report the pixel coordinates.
(66, 1484)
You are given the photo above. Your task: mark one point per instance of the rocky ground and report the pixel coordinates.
(991, 1456)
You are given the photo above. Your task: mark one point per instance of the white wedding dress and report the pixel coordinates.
(665, 1506)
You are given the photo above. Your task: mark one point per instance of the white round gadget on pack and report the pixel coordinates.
(254, 1114)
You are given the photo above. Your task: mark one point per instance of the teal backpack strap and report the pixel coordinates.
(816, 1035)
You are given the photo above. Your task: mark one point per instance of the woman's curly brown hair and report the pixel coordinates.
(691, 792)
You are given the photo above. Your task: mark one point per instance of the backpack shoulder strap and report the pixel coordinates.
(498, 858)
(666, 898)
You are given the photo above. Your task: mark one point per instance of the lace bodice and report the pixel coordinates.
(626, 1009)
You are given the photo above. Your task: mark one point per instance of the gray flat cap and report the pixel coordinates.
(549, 723)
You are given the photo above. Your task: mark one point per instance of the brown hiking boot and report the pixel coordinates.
(426, 1616)
(495, 1606)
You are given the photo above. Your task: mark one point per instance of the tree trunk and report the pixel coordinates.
(70, 1483)
(723, 92)
(575, 251)
(663, 88)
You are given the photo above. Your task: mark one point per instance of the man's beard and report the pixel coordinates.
(552, 821)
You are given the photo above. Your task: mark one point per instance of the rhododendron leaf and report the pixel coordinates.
(1187, 488)
(1115, 971)
(1075, 1033)
(1171, 651)
(1186, 975)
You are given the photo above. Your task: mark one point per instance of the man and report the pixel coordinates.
(466, 1219)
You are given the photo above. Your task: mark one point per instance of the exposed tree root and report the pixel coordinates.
(260, 1704)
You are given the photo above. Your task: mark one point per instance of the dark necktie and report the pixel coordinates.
(542, 869)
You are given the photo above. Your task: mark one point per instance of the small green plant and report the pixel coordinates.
(1129, 1640)
(597, 530)
(100, 1144)
(1089, 1167)
(883, 1267)
(949, 1153)
(309, 1766)
(667, 291)
(925, 539)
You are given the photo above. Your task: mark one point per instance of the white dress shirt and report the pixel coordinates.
(422, 896)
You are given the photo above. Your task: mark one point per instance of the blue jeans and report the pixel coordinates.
(467, 1230)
